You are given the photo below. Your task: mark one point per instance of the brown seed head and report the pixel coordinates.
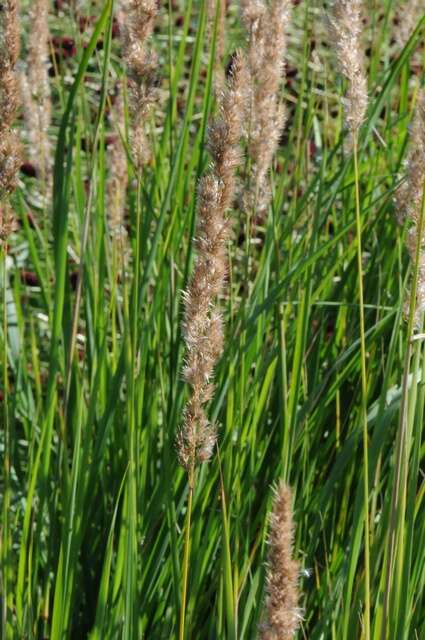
(283, 613)
(9, 142)
(35, 91)
(266, 26)
(7, 221)
(138, 20)
(118, 180)
(345, 23)
(409, 200)
(409, 15)
(203, 323)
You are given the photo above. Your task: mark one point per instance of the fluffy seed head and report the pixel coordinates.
(9, 52)
(10, 161)
(409, 200)
(203, 323)
(9, 142)
(9, 35)
(35, 90)
(345, 23)
(118, 179)
(409, 15)
(7, 221)
(138, 19)
(266, 26)
(283, 615)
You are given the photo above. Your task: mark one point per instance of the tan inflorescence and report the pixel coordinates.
(137, 22)
(118, 179)
(217, 10)
(203, 324)
(35, 87)
(10, 158)
(346, 27)
(409, 15)
(266, 25)
(283, 614)
(409, 200)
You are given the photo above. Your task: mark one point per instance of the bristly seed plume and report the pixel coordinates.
(409, 201)
(10, 158)
(409, 15)
(283, 614)
(118, 179)
(266, 26)
(137, 22)
(203, 323)
(345, 23)
(35, 88)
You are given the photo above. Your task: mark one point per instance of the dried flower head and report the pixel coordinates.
(118, 179)
(409, 200)
(346, 27)
(35, 89)
(217, 10)
(203, 323)
(283, 613)
(7, 221)
(266, 25)
(9, 142)
(9, 35)
(10, 161)
(409, 15)
(138, 19)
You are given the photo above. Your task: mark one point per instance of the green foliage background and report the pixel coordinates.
(93, 498)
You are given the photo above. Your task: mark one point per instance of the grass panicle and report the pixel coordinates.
(36, 92)
(409, 202)
(137, 22)
(346, 27)
(10, 149)
(408, 15)
(203, 321)
(10, 156)
(266, 26)
(118, 177)
(283, 615)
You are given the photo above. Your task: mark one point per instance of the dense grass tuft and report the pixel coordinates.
(318, 381)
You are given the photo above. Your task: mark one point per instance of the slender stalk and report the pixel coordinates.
(186, 556)
(6, 461)
(86, 223)
(401, 463)
(364, 388)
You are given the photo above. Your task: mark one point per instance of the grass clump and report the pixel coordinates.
(202, 263)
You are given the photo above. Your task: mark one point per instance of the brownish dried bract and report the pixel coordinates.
(9, 143)
(283, 615)
(266, 26)
(9, 52)
(9, 35)
(203, 324)
(217, 10)
(409, 15)
(346, 28)
(409, 200)
(35, 88)
(7, 221)
(137, 18)
(9, 161)
(118, 179)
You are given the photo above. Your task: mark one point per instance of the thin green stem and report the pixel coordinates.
(6, 462)
(364, 390)
(401, 462)
(186, 556)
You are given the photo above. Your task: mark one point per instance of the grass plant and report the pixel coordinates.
(319, 379)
